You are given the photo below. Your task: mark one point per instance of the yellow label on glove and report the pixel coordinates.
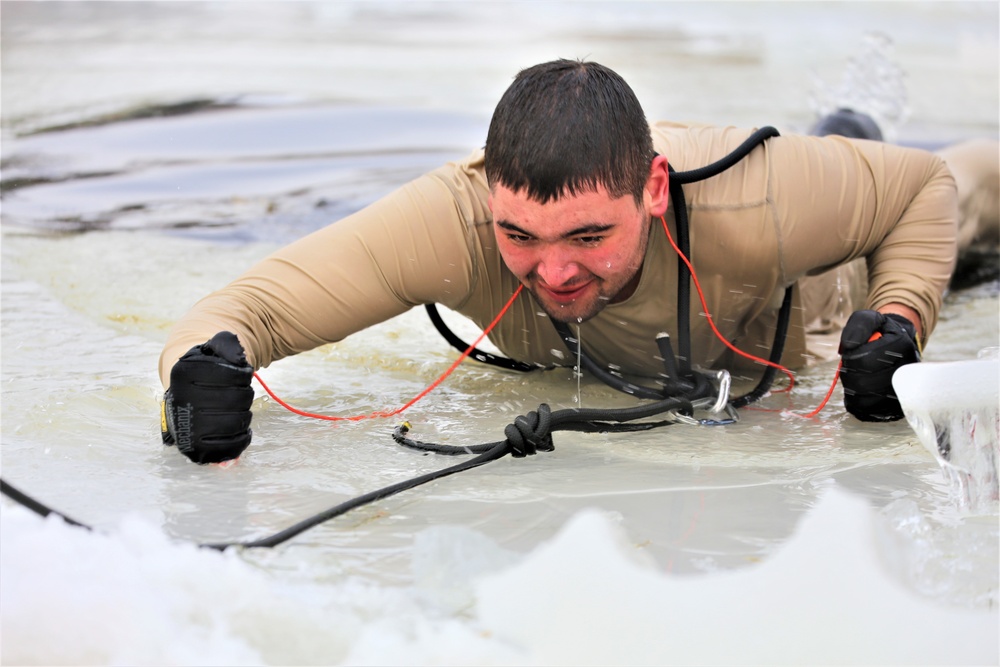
(163, 416)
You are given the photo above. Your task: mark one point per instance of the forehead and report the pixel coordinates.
(568, 212)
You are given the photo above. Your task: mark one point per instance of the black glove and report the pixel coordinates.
(873, 346)
(206, 410)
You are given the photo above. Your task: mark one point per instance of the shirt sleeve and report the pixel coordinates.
(837, 199)
(412, 247)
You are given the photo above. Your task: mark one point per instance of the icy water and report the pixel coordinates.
(151, 152)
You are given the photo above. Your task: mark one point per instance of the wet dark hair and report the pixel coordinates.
(567, 126)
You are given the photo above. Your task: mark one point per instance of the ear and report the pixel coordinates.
(658, 187)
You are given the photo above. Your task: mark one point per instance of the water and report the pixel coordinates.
(114, 225)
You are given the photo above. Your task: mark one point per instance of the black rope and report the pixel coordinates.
(354, 503)
(677, 178)
(532, 432)
(679, 202)
(526, 436)
(777, 348)
(35, 506)
(701, 173)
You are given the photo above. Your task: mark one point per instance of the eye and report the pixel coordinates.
(589, 240)
(518, 238)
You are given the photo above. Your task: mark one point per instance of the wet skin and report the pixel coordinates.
(580, 252)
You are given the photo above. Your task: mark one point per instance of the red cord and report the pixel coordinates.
(732, 347)
(829, 393)
(711, 322)
(503, 311)
(429, 389)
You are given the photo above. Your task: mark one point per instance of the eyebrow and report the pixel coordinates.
(591, 229)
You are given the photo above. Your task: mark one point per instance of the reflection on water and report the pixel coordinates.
(271, 174)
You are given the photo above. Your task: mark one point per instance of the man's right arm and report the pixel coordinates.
(411, 247)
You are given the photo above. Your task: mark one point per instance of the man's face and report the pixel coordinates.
(576, 254)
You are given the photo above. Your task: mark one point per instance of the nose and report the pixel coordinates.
(556, 267)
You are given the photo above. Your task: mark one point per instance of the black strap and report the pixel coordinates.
(477, 354)
(677, 179)
(777, 348)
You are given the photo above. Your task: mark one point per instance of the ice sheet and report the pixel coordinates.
(133, 596)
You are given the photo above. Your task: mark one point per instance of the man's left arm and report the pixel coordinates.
(897, 208)
(917, 230)
(921, 246)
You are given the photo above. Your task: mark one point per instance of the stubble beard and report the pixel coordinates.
(572, 312)
(606, 294)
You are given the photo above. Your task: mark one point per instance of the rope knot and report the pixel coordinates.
(530, 433)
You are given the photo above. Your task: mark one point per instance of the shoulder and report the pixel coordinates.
(469, 170)
(693, 145)
(459, 185)
(689, 146)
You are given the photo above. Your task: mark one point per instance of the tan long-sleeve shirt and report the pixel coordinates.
(796, 206)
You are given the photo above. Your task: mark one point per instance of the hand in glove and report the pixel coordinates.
(206, 410)
(873, 345)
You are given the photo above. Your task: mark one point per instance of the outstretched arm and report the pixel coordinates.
(409, 248)
(414, 246)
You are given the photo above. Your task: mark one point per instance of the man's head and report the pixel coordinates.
(573, 183)
(565, 127)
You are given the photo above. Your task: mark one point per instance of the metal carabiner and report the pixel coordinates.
(722, 402)
(725, 382)
(683, 419)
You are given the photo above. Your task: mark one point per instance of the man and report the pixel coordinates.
(566, 200)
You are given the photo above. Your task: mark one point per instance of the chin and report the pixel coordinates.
(570, 314)
(577, 311)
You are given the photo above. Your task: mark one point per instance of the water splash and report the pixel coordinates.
(872, 83)
(953, 409)
(579, 365)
